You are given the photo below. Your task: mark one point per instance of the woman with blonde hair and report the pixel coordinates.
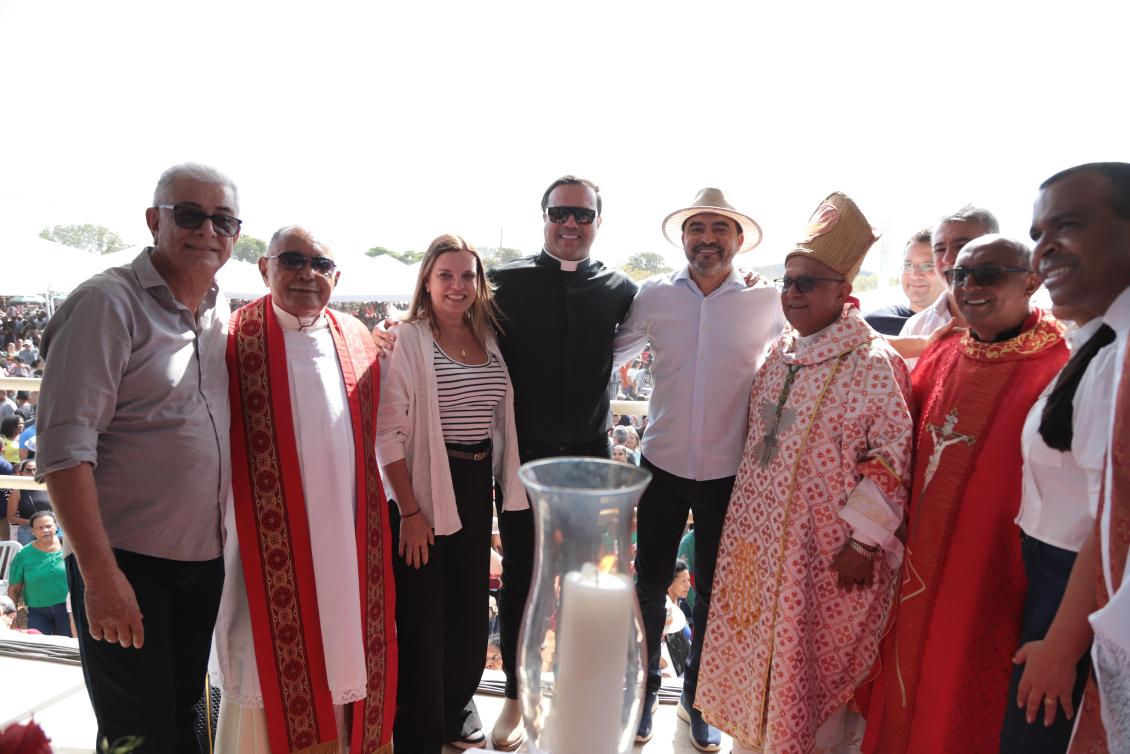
(445, 433)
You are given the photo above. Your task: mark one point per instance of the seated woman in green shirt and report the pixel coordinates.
(39, 577)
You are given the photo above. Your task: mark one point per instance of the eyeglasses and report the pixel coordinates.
(191, 218)
(803, 283)
(583, 215)
(296, 260)
(922, 268)
(984, 275)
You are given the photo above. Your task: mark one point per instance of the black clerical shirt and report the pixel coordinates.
(557, 341)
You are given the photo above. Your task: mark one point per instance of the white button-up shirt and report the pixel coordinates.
(1059, 493)
(706, 350)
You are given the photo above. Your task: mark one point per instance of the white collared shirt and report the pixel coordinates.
(1055, 504)
(927, 321)
(706, 350)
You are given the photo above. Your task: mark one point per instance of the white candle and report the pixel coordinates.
(593, 629)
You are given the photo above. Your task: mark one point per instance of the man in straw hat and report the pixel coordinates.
(709, 331)
(809, 556)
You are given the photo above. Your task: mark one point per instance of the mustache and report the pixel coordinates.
(707, 247)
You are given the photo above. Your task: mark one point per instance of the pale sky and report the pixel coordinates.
(389, 124)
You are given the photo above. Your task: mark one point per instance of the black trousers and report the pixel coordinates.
(1048, 568)
(660, 521)
(152, 692)
(441, 619)
(516, 529)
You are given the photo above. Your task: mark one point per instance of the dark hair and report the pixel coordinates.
(925, 235)
(41, 514)
(680, 566)
(571, 180)
(737, 225)
(10, 427)
(1118, 173)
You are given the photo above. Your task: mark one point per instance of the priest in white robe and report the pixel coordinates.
(305, 638)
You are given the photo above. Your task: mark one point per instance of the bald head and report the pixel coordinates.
(300, 271)
(288, 233)
(1021, 255)
(993, 283)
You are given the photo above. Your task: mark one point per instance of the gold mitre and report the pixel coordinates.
(838, 235)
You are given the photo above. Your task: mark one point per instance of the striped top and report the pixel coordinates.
(468, 394)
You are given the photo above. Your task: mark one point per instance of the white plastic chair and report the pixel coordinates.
(8, 550)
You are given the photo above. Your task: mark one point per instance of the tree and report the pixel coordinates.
(408, 257)
(249, 249)
(494, 256)
(644, 264)
(96, 239)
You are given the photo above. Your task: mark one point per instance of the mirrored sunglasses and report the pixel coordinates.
(803, 283)
(583, 215)
(986, 275)
(296, 260)
(923, 268)
(191, 218)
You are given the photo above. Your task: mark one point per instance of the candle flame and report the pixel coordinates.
(607, 563)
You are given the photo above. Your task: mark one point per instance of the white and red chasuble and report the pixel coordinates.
(827, 455)
(274, 528)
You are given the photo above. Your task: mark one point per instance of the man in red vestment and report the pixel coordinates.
(945, 664)
(305, 640)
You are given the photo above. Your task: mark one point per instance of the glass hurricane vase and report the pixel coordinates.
(580, 656)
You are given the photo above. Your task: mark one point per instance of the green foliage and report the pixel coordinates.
(123, 745)
(495, 256)
(865, 281)
(644, 264)
(408, 257)
(249, 249)
(96, 239)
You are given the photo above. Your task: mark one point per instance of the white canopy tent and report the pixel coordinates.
(44, 268)
(363, 278)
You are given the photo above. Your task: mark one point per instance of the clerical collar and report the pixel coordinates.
(1008, 334)
(567, 265)
(291, 323)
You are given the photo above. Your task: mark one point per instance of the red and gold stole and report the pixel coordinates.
(274, 538)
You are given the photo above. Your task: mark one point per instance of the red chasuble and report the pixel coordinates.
(274, 538)
(946, 663)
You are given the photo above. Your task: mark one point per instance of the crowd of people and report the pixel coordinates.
(893, 519)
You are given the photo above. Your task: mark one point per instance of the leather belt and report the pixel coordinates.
(463, 455)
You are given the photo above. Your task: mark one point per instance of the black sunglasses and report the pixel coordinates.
(803, 283)
(583, 215)
(191, 218)
(296, 260)
(984, 275)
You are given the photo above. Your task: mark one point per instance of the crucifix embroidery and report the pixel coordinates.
(776, 419)
(944, 436)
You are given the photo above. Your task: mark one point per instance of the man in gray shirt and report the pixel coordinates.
(133, 445)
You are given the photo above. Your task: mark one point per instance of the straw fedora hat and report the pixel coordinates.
(712, 200)
(838, 235)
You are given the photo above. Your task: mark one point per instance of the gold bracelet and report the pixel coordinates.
(862, 549)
